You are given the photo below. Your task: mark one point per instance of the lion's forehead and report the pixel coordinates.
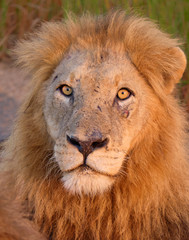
(83, 69)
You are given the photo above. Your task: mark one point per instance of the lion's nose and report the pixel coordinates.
(86, 147)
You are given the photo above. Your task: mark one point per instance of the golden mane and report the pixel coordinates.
(151, 200)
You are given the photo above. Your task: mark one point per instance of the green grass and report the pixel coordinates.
(21, 16)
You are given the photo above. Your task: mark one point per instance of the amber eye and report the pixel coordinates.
(66, 90)
(123, 94)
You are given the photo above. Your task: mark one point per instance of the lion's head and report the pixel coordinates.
(102, 93)
(99, 91)
(101, 125)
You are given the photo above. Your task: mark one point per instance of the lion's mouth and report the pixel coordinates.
(86, 169)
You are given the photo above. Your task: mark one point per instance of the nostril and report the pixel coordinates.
(99, 144)
(74, 141)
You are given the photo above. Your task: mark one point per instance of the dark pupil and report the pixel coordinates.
(67, 89)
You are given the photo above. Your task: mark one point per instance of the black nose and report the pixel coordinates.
(86, 147)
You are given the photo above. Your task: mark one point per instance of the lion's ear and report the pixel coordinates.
(174, 69)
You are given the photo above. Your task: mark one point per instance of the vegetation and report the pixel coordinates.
(21, 16)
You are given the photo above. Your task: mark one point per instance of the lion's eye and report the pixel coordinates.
(66, 90)
(123, 93)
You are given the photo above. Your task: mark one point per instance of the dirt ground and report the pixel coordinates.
(13, 87)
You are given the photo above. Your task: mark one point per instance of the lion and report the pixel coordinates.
(99, 146)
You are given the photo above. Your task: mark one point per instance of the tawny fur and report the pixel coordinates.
(151, 200)
(13, 225)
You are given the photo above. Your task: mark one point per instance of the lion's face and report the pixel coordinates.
(95, 107)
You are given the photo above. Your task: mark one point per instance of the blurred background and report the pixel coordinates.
(18, 17)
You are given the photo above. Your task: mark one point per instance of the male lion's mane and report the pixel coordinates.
(150, 200)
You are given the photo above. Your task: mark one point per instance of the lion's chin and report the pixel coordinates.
(86, 182)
